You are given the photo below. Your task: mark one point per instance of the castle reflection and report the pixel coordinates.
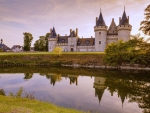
(134, 89)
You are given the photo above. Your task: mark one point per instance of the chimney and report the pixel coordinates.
(70, 31)
(58, 35)
(112, 19)
(65, 34)
(128, 19)
(96, 19)
(91, 37)
(76, 31)
(119, 20)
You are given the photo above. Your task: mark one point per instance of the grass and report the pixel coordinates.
(24, 105)
(45, 53)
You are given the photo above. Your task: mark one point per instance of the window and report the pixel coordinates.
(50, 47)
(99, 42)
(99, 32)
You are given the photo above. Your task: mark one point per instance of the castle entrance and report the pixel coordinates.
(71, 49)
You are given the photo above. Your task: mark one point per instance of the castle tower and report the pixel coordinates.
(124, 28)
(112, 33)
(99, 85)
(100, 33)
(52, 40)
(72, 40)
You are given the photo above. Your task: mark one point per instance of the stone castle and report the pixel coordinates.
(103, 36)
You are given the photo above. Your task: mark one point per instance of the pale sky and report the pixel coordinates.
(38, 16)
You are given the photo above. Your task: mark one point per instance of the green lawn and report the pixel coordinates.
(40, 53)
(23, 105)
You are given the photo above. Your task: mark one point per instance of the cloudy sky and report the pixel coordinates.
(38, 16)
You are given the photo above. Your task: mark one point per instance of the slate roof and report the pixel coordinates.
(73, 34)
(124, 20)
(53, 33)
(62, 39)
(16, 46)
(86, 42)
(112, 29)
(4, 47)
(100, 21)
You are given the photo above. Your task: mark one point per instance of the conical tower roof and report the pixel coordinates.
(113, 28)
(100, 21)
(53, 33)
(99, 93)
(124, 20)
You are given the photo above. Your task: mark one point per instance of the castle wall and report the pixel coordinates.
(124, 32)
(64, 46)
(111, 39)
(72, 43)
(51, 44)
(100, 37)
(85, 48)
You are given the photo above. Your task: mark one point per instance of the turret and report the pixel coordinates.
(112, 33)
(100, 33)
(72, 40)
(52, 40)
(124, 28)
(99, 85)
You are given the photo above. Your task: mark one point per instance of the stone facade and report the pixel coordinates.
(103, 36)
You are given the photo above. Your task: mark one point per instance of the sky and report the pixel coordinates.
(39, 16)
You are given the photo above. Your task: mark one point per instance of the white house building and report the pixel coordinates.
(17, 48)
(103, 36)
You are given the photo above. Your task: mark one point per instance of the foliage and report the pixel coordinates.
(1, 50)
(57, 51)
(27, 41)
(42, 43)
(135, 51)
(145, 24)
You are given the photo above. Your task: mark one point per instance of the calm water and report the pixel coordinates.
(83, 89)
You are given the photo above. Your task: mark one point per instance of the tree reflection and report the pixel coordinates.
(28, 75)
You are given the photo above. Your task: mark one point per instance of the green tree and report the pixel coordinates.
(145, 25)
(57, 51)
(27, 41)
(46, 38)
(36, 45)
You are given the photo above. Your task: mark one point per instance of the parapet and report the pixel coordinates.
(124, 27)
(100, 28)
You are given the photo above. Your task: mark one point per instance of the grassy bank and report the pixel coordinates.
(50, 59)
(23, 105)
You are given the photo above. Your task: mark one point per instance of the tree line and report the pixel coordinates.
(40, 45)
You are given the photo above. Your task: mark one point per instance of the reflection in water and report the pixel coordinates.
(133, 88)
(28, 75)
(99, 85)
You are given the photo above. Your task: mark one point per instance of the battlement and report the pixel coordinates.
(52, 39)
(124, 27)
(100, 28)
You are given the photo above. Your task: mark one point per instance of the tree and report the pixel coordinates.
(57, 51)
(134, 51)
(42, 43)
(27, 41)
(145, 25)
(46, 38)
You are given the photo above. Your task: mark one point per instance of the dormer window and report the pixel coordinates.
(99, 32)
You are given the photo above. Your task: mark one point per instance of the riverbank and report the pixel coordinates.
(24, 105)
(67, 59)
(50, 59)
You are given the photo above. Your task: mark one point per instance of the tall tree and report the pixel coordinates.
(27, 41)
(145, 25)
(46, 38)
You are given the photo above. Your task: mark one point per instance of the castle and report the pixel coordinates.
(103, 36)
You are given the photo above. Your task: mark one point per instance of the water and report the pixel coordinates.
(83, 89)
